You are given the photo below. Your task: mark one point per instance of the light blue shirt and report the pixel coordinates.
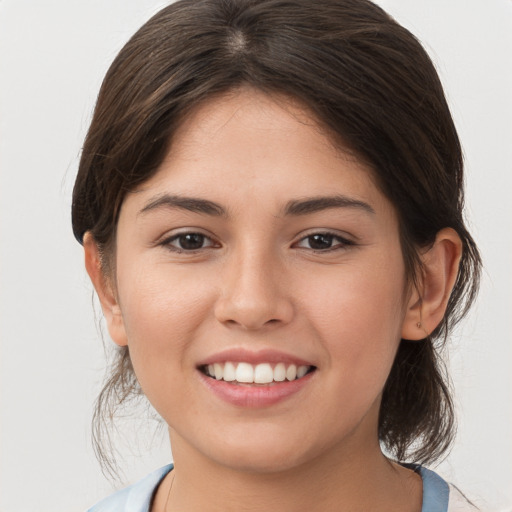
(137, 497)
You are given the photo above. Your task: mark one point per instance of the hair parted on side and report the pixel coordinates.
(366, 80)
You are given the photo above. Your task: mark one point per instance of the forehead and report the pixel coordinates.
(277, 114)
(248, 146)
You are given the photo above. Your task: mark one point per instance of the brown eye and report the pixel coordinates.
(188, 242)
(323, 242)
(320, 241)
(191, 241)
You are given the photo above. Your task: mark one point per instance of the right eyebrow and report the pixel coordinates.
(192, 204)
(310, 205)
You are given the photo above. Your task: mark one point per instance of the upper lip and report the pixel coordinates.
(242, 355)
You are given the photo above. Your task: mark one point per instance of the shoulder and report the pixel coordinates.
(439, 495)
(136, 498)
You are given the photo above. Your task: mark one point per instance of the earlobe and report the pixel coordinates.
(106, 293)
(427, 306)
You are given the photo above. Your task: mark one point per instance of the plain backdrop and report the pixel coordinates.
(53, 55)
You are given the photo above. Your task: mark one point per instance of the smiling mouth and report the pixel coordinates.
(264, 373)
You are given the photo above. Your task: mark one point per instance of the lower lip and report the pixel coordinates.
(256, 395)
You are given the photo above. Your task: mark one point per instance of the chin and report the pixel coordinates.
(258, 461)
(261, 452)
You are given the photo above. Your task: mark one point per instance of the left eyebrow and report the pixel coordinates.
(191, 204)
(315, 204)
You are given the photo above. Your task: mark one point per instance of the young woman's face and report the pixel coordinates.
(258, 252)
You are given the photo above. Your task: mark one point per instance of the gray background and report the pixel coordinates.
(53, 55)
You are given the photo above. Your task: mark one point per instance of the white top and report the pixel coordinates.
(438, 496)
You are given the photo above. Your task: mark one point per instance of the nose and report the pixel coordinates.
(253, 293)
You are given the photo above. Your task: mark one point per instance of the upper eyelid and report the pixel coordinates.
(166, 242)
(346, 237)
(341, 239)
(184, 233)
(174, 233)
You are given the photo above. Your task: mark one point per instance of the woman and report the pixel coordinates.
(270, 201)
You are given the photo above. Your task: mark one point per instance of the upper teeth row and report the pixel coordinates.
(259, 374)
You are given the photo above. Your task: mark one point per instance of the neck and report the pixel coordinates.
(355, 481)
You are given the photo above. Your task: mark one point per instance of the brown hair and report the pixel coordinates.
(367, 80)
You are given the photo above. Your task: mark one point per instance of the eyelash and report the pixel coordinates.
(168, 242)
(342, 243)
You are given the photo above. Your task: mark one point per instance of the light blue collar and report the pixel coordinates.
(436, 492)
(138, 497)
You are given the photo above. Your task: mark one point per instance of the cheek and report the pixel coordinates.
(162, 313)
(362, 350)
(359, 318)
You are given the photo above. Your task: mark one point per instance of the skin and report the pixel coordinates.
(258, 283)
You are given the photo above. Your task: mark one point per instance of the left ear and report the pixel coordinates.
(105, 289)
(426, 306)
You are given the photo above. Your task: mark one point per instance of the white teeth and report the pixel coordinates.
(229, 372)
(219, 371)
(291, 372)
(262, 373)
(279, 372)
(244, 373)
(301, 371)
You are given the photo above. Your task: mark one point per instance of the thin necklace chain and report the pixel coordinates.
(169, 493)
